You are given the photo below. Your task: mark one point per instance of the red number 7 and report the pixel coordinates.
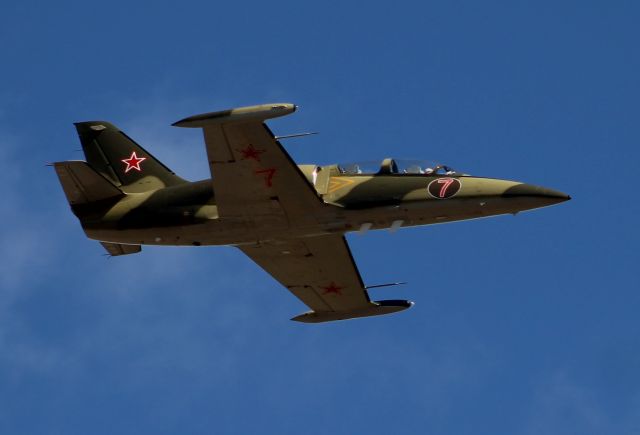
(446, 182)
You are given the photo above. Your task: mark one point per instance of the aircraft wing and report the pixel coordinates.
(255, 180)
(321, 272)
(253, 176)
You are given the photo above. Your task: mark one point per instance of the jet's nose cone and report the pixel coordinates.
(531, 191)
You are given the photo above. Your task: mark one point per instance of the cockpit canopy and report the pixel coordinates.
(396, 166)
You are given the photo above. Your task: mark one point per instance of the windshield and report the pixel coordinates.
(396, 166)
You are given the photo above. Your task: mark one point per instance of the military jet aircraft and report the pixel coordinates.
(290, 219)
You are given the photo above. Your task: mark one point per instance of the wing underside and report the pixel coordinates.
(321, 272)
(253, 177)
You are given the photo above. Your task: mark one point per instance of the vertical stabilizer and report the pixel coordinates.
(117, 157)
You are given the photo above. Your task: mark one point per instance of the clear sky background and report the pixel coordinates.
(522, 325)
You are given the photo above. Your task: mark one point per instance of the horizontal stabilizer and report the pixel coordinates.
(377, 308)
(82, 184)
(115, 249)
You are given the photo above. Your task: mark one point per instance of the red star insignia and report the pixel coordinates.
(268, 175)
(332, 288)
(251, 153)
(133, 162)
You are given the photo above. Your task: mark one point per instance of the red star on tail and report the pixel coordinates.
(133, 162)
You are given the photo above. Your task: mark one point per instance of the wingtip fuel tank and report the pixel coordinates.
(240, 114)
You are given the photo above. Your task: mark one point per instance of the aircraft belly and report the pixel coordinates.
(455, 209)
(181, 228)
(207, 232)
(416, 213)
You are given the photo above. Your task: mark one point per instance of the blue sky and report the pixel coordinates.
(522, 325)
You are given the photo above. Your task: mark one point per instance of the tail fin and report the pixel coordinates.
(118, 158)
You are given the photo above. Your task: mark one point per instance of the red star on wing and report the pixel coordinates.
(332, 288)
(251, 153)
(133, 162)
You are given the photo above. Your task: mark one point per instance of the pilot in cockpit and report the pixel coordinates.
(440, 170)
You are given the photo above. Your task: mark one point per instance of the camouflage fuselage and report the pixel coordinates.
(186, 214)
